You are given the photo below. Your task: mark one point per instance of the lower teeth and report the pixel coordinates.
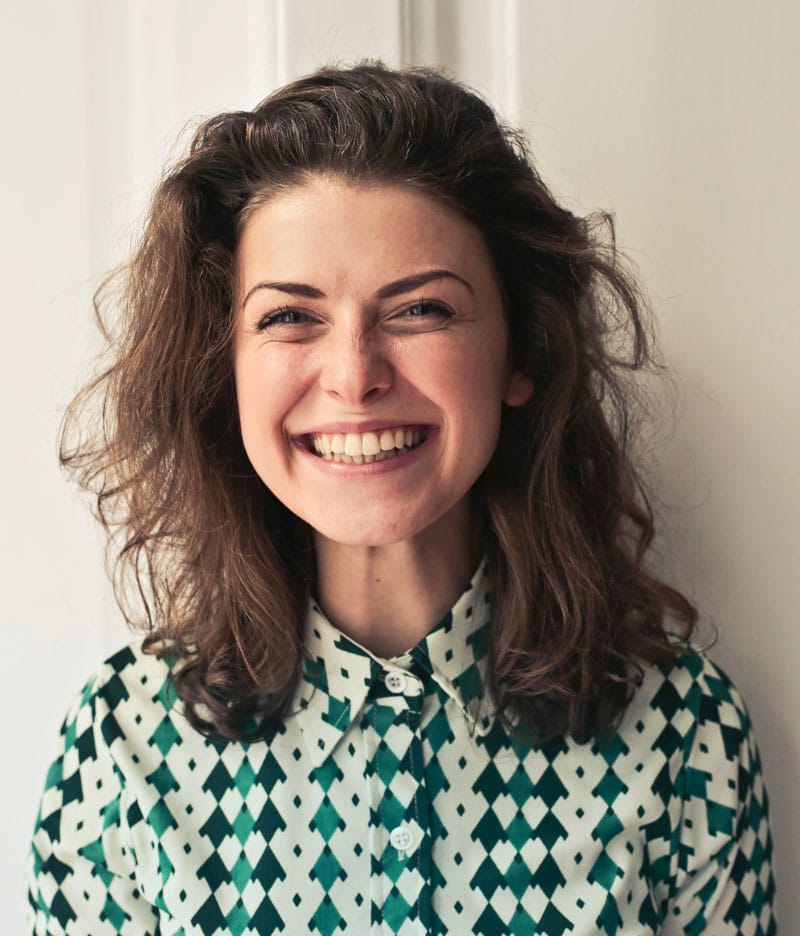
(363, 459)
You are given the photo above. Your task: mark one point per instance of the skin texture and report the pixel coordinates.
(328, 339)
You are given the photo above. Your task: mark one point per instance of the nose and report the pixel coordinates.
(357, 368)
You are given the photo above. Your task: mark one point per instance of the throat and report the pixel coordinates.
(388, 599)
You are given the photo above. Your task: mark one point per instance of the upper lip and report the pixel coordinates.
(374, 425)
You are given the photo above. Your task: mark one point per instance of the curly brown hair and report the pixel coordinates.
(222, 569)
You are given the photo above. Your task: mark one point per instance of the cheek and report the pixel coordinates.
(470, 395)
(477, 380)
(247, 397)
(263, 381)
(258, 402)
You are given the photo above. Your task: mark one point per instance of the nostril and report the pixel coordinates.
(356, 372)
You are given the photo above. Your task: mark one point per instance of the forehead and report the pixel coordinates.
(356, 232)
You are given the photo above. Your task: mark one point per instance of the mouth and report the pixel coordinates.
(361, 448)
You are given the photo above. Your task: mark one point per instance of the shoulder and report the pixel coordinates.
(690, 691)
(129, 690)
(691, 719)
(130, 672)
(125, 714)
(707, 831)
(82, 862)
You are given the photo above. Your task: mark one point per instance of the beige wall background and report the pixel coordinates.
(679, 116)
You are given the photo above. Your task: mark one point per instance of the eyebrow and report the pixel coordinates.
(389, 291)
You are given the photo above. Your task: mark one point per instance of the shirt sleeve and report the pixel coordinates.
(722, 881)
(81, 865)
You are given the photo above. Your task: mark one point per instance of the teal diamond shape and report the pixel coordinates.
(243, 824)
(165, 736)
(244, 777)
(238, 919)
(327, 919)
(519, 831)
(327, 868)
(241, 872)
(386, 763)
(395, 909)
(326, 819)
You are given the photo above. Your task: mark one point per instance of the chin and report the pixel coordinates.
(362, 539)
(371, 531)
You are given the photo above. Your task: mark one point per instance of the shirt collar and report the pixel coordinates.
(338, 672)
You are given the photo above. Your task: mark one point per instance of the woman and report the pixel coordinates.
(365, 451)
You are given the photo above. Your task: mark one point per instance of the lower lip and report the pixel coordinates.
(370, 469)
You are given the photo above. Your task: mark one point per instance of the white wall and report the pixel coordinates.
(681, 117)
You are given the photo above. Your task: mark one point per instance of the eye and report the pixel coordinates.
(426, 308)
(421, 315)
(283, 316)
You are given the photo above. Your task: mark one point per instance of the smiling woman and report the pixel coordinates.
(361, 351)
(365, 447)
(422, 359)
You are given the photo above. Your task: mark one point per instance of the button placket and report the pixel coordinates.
(400, 819)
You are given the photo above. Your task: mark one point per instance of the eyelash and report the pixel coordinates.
(430, 306)
(273, 318)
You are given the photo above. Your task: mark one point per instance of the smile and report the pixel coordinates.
(358, 448)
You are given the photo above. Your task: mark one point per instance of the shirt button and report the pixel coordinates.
(395, 682)
(401, 838)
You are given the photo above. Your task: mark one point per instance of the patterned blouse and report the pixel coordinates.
(392, 801)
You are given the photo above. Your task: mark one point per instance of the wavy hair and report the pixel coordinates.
(221, 570)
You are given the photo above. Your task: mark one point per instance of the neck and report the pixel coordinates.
(388, 598)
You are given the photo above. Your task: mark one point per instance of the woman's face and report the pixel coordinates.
(370, 357)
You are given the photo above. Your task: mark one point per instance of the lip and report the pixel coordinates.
(374, 425)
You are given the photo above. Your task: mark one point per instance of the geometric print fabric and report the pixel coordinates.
(392, 801)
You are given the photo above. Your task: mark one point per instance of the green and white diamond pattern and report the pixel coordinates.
(392, 802)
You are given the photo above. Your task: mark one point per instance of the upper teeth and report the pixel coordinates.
(371, 444)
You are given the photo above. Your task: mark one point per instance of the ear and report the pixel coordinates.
(519, 389)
